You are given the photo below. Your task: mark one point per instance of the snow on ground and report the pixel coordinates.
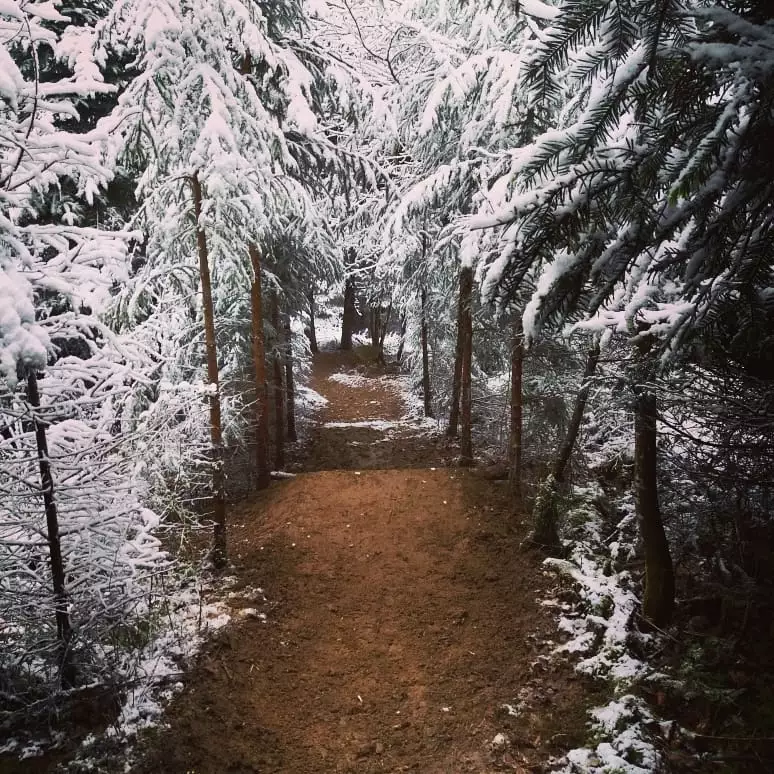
(600, 630)
(382, 425)
(327, 326)
(309, 399)
(349, 378)
(413, 419)
(412, 400)
(188, 621)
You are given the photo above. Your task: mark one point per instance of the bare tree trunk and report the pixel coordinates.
(262, 472)
(403, 326)
(348, 318)
(290, 386)
(465, 293)
(62, 617)
(659, 598)
(279, 391)
(383, 332)
(426, 388)
(547, 504)
(213, 396)
(374, 317)
(517, 403)
(466, 376)
(565, 451)
(312, 327)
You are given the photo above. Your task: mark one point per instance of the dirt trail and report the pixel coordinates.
(401, 618)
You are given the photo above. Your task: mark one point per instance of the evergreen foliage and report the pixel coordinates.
(647, 205)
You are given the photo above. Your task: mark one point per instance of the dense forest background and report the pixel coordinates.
(556, 216)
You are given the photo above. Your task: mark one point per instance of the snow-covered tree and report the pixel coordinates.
(75, 546)
(228, 119)
(646, 207)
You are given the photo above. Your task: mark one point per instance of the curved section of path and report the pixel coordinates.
(366, 422)
(400, 630)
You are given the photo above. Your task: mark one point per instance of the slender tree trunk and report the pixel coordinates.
(62, 617)
(383, 332)
(312, 327)
(466, 376)
(565, 451)
(290, 385)
(279, 391)
(374, 315)
(466, 290)
(426, 388)
(348, 318)
(401, 346)
(515, 445)
(213, 397)
(547, 504)
(659, 598)
(262, 471)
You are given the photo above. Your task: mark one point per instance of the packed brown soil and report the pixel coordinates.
(410, 444)
(402, 630)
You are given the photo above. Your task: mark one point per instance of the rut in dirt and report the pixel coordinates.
(391, 621)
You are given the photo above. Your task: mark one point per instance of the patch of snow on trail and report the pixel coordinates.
(349, 378)
(327, 326)
(627, 747)
(309, 398)
(373, 424)
(415, 410)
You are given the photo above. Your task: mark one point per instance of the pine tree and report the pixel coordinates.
(57, 275)
(645, 209)
(223, 98)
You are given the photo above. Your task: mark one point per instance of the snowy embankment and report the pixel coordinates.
(190, 621)
(600, 631)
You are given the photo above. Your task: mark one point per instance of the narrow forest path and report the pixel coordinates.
(401, 629)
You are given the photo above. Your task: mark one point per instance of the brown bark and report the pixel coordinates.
(279, 390)
(565, 450)
(401, 346)
(374, 325)
(312, 327)
(348, 318)
(426, 389)
(517, 403)
(63, 628)
(464, 299)
(659, 598)
(262, 471)
(290, 385)
(383, 333)
(466, 376)
(213, 396)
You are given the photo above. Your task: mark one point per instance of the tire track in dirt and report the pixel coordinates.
(402, 619)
